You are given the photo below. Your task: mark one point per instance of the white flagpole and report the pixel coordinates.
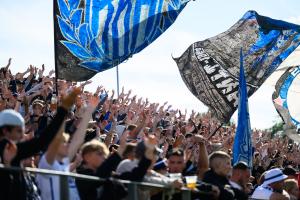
(118, 83)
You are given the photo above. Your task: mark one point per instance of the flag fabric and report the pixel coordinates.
(95, 35)
(242, 146)
(281, 94)
(210, 68)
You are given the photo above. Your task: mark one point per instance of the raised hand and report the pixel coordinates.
(69, 100)
(51, 72)
(99, 89)
(199, 139)
(140, 100)
(188, 155)
(41, 71)
(112, 93)
(9, 61)
(134, 98)
(93, 101)
(123, 141)
(8, 64)
(31, 69)
(179, 140)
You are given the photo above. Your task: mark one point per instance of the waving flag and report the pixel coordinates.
(210, 68)
(242, 146)
(95, 35)
(281, 97)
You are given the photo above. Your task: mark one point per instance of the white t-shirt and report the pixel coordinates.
(127, 166)
(265, 192)
(50, 185)
(262, 193)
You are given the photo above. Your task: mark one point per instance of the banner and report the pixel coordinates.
(95, 35)
(210, 68)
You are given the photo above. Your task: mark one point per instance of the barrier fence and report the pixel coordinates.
(132, 186)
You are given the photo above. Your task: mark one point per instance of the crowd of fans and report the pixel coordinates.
(58, 125)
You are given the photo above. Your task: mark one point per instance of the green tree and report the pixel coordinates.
(278, 126)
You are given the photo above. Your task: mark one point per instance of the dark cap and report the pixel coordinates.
(241, 165)
(289, 170)
(175, 152)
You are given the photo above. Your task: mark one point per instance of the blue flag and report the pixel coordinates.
(242, 147)
(92, 36)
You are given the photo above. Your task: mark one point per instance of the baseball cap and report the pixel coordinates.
(241, 165)
(10, 117)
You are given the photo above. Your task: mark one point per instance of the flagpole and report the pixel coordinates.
(55, 53)
(118, 83)
(215, 131)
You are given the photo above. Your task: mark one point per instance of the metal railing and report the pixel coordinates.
(64, 184)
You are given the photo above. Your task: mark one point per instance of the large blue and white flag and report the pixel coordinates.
(242, 146)
(95, 35)
(210, 68)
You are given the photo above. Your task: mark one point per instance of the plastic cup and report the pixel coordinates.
(175, 176)
(191, 181)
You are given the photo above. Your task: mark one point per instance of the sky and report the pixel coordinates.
(26, 35)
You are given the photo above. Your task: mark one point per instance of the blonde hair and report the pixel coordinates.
(216, 157)
(93, 146)
(289, 184)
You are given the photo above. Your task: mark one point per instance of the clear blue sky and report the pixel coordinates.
(26, 35)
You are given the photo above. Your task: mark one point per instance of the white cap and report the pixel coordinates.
(10, 117)
(274, 175)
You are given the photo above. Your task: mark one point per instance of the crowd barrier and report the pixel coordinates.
(132, 186)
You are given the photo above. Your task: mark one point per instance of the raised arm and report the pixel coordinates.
(79, 134)
(54, 145)
(20, 100)
(40, 143)
(8, 64)
(140, 125)
(203, 164)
